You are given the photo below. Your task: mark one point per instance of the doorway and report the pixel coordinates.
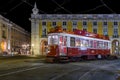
(43, 47)
(115, 47)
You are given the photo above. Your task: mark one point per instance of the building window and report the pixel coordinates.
(105, 31)
(115, 31)
(54, 23)
(84, 23)
(115, 35)
(44, 23)
(74, 23)
(95, 31)
(115, 23)
(64, 23)
(94, 23)
(44, 32)
(105, 23)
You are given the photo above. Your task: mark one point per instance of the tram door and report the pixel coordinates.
(115, 47)
(63, 45)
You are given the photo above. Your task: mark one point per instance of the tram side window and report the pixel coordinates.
(61, 40)
(77, 42)
(65, 41)
(72, 41)
(85, 43)
(106, 45)
(100, 45)
(91, 44)
(109, 45)
(95, 44)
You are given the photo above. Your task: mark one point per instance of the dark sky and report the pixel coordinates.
(19, 11)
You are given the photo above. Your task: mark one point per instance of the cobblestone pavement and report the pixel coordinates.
(36, 69)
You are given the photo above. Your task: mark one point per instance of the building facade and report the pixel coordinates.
(13, 38)
(106, 24)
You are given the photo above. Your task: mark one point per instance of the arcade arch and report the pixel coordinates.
(43, 47)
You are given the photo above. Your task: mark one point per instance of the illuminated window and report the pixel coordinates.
(85, 43)
(100, 44)
(95, 44)
(53, 39)
(72, 41)
(105, 45)
(91, 44)
(65, 41)
(77, 42)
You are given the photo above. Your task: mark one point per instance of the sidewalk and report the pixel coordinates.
(21, 57)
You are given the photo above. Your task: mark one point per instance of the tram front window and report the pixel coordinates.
(52, 39)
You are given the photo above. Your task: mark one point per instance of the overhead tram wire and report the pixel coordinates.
(92, 9)
(63, 3)
(22, 1)
(15, 6)
(5, 13)
(61, 7)
(107, 7)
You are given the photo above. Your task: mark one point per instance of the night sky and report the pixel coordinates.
(19, 11)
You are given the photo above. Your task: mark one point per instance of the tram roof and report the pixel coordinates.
(77, 36)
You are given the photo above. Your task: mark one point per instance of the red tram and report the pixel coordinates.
(76, 45)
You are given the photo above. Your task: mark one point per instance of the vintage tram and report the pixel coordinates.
(76, 45)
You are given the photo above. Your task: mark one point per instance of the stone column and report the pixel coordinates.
(9, 38)
(35, 42)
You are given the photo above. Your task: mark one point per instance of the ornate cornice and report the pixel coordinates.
(76, 16)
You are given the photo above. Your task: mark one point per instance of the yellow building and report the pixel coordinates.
(106, 24)
(13, 38)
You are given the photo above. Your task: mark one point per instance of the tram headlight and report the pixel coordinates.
(62, 54)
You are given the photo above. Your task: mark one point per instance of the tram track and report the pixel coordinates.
(84, 77)
(95, 64)
(77, 71)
